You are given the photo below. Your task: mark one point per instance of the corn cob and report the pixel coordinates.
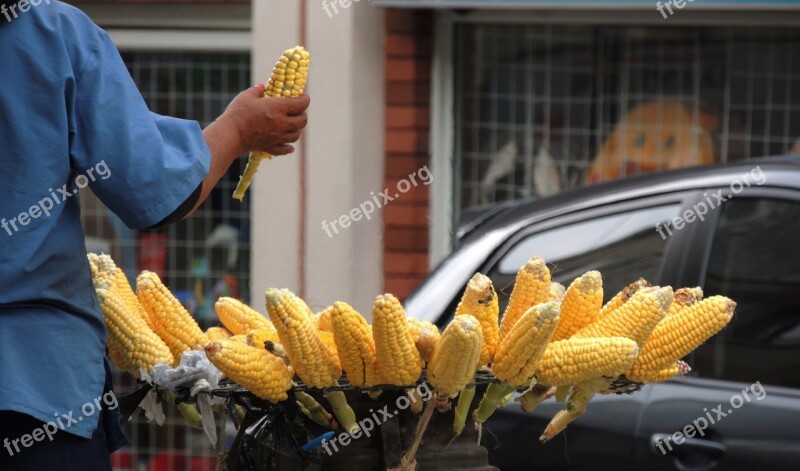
(680, 368)
(685, 297)
(532, 286)
(241, 338)
(557, 291)
(677, 335)
(635, 319)
(355, 345)
(316, 363)
(217, 333)
(171, 320)
(572, 361)
(519, 352)
(623, 296)
(132, 345)
(92, 257)
(261, 372)
(480, 301)
(399, 362)
(119, 285)
(456, 359)
(426, 337)
(580, 305)
(323, 319)
(288, 80)
(240, 318)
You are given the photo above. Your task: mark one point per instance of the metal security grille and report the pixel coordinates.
(200, 259)
(543, 108)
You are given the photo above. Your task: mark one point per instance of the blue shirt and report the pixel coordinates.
(71, 116)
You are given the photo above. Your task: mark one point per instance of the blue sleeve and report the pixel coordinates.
(140, 164)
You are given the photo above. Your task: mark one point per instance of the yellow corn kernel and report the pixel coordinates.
(323, 319)
(520, 351)
(217, 333)
(315, 362)
(240, 318)
(355, 345)
(119, 285)
(677, 335)
(531, 287)
(571, 361)
(581, 304)
(132, 345)
(623, 296)
(634, 319)
(456, 359)
(399, 362)
(557, 291)
(288, 79)
(480, 301)
(685, 297)
(261, 372)
(426, 337)
(172, 322)
(259, 337)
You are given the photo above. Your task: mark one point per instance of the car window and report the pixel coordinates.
(622, 247)
(755, 260)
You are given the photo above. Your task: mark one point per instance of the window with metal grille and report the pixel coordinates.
(543, 108)
(200, 258)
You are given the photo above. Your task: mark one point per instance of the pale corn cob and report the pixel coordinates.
(480, 301)
(531, 287)
(581, 304)
(557, 291)
(426, 337)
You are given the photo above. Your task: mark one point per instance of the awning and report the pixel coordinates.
(594, 4)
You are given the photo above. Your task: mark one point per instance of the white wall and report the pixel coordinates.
(344, 152)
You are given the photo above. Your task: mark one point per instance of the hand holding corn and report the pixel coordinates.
(288, 80)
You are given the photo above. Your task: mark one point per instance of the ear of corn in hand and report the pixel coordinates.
(288, 79)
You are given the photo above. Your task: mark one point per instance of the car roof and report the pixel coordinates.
(782, 171)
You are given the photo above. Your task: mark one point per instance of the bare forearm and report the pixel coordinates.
(224, 145)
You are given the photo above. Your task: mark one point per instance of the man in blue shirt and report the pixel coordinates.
(71, 116)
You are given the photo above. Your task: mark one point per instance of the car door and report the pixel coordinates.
(741, 408)
(622, 242)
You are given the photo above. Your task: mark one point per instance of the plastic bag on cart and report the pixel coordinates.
(268, 443)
